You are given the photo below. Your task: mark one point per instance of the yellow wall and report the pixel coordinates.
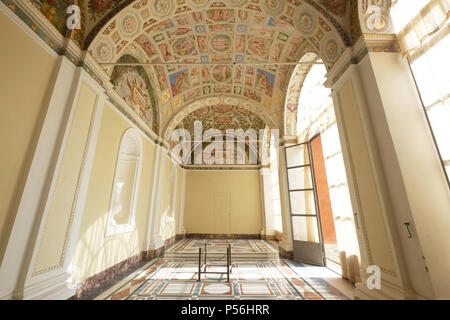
(166, 210)
(28, 72)
(61, 208)
(223, 202)
(179, 199)
(95, 252)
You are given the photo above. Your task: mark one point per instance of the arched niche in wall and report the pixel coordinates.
(122, 208)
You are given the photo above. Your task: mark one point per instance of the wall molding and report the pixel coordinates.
(367, 43)
(18, 253)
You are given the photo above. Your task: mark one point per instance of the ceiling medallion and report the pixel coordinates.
(162, 7)
(130, 25)
(330, 50)
(306, 23)
(221, 43)
(104, 52)
(275, 6)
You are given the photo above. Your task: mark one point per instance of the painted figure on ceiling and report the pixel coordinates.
(179, 82)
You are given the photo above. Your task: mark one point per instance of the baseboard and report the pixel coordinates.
(106, 275)
(269, 237)
(285, 254)
(155, 253)
(235, 236)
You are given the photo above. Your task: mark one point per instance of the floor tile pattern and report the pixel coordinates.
(241, 249)
(275, 280)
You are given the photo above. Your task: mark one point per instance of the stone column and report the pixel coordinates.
(285, 244)
(154, 239)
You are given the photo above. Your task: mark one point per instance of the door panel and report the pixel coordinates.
(302, 202)
(305, 216)
(297, 155)
(300, 178)
(308, 252)
(305, 228)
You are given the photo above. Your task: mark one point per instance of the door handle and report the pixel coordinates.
(407, 228)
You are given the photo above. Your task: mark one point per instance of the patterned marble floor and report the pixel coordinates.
(162, 279)
(332, 252)
(241, 249)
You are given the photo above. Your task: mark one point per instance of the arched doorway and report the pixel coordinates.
(320, 208)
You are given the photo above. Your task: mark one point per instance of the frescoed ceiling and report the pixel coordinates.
(96, 13)
(224, 117)
(202, 48)
(199, 49)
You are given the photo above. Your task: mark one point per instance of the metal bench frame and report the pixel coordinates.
(202, 267)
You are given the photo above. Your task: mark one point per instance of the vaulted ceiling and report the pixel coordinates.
(195, 51)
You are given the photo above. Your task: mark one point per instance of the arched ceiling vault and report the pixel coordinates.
(99, 13)
(194, 50)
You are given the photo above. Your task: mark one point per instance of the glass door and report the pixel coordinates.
(305, 218)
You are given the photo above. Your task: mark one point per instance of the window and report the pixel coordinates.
(423, 33)
(125, 187)
(314, 99)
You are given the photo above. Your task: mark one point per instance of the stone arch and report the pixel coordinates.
(294, 90)
(210, 101)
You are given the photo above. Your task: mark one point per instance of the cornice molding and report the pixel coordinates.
(374, 42)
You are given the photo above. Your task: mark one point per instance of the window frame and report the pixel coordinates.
(411, 57)
(116, 229)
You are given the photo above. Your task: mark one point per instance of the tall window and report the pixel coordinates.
(126, 181)
(316, 115)
(313, 101)
(423, 32)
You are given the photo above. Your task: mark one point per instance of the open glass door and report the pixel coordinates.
(305, 218)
